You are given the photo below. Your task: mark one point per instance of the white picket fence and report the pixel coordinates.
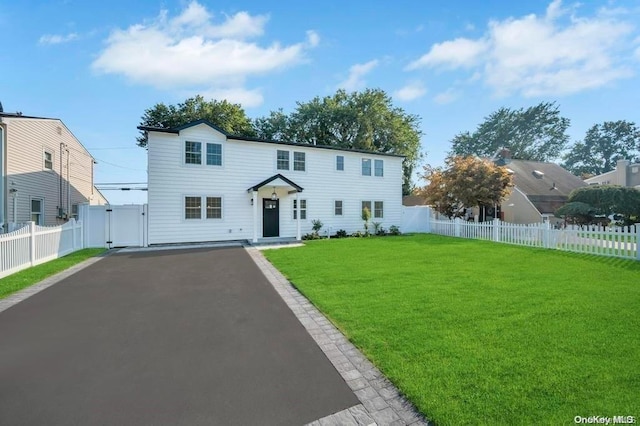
(611, 241)
(33, 244)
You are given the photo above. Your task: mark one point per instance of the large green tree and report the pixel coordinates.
(603, 145)
(228, 116)
(360, 120)
(610, 200)
(537, 133)
(465, 182)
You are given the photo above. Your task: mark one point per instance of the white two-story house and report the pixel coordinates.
(207, 185)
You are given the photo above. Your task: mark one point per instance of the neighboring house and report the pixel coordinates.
(413, 200)
(45, 172)
(539, 190)
(207, 185)
(625, 174)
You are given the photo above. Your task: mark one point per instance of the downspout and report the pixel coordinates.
(68, 212)
(60, 175)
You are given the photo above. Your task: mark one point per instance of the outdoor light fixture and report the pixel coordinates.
(274, 196)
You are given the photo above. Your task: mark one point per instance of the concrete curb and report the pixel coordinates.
(25, 293)
(381, 402)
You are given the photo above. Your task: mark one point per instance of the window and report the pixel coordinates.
(303, 209)
(214, 154)
(283, 160)
(192, 208)
(193, 152)
(298, 161)
(74, 211)
(378, 167)
(37, 215)
(48, 160)
(337, 207)
(340, 162)
(378, 209)
(214, 208)
(366, 205)
(366, 167)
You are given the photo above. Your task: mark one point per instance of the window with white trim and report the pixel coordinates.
(366, 167)
(37, 211)
(214, 154)
(340, 162)
(192, 207)
(48, 160)
(74, 211)
(214, 207)
(299, 161)
(192, 152)
(303, 209)
(282, 160)
(378, 209)
(366, 205)
(378, 168)
(337, 207)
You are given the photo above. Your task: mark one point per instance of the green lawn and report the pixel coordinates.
(475, 332)
(30, 276)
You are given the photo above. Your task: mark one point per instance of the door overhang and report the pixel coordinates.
(278, 181)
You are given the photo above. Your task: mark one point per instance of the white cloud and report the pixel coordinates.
(190, 50)
(446, 97)
(554, 54)
(355, 80)
(410, 91)
(57, 39)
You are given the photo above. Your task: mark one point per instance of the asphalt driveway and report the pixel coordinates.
(180, 337)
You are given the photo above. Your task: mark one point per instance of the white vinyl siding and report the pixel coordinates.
(366, 167)
(340, 163)
(299, 161)
(378, 168)
(192, 152)
(283, 160)
(303, 209)
(337, 208)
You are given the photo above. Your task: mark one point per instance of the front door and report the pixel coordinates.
(270, 218)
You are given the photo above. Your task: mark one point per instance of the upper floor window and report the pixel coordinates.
(299, 161)
(366, 167)
(48, 160)
(378, 167)
(283, 160)
(340, 162)
(214, 154)
(193, 152)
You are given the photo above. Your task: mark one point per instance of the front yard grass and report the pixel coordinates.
(30, 276)
(474, 332)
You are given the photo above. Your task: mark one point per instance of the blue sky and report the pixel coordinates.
(99, 65)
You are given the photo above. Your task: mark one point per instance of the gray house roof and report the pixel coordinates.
(546, 185)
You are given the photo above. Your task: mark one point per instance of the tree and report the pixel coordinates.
(466, 182)
(576, 212)
(229, 117)
(609, 200)
(603, 145)
(360, 120)
(537, 133)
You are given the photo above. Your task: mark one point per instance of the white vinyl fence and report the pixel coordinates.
(33, 244)
(611, 241)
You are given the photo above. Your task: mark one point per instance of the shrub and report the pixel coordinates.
(341, 233)
(316, 225)
(366, 216)
(358, 234)
(394, 230)
(312, 236)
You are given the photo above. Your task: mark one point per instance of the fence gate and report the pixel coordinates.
(125, 226)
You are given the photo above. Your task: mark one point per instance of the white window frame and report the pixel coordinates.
(303, 209)
(206, 154)
(338, 169)
(206, 207)
(362, 206)
(40, 214)
(184, 208)
(374, 213)
(298, 162)
(185, 152)
(44, 159)
(75, 211)
(335, 208)
(362, 163)
(278, 151)
(375, 168)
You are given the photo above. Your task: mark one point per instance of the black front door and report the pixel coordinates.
(270, 218)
